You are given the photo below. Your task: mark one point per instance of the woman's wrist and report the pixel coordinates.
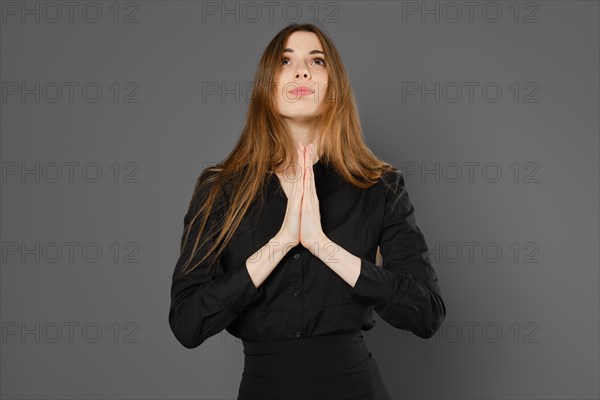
(283, 242)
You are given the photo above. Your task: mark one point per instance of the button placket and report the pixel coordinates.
(296, 292)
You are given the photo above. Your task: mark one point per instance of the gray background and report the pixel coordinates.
(515, 328)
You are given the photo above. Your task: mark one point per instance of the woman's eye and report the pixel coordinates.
(284, 59)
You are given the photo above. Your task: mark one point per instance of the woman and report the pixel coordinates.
(280, 238)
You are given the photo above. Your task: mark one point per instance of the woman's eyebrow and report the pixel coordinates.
(288, 50)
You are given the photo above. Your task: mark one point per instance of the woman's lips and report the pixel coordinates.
(300, 91)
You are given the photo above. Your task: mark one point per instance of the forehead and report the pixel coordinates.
(302, 41)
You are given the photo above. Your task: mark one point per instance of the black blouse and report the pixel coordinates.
(303, 297)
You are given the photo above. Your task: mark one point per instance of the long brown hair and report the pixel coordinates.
(264, 145)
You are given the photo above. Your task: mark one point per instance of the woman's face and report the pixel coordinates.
(303, 65)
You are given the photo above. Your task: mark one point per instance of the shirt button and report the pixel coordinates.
(297, 333)
(296, 255)
(297, 293)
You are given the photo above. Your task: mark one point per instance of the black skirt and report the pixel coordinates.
(314, 368)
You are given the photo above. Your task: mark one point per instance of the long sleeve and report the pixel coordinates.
(404, 291)
(204, 303)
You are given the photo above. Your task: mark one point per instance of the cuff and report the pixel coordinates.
(374, 284)
(237, 290)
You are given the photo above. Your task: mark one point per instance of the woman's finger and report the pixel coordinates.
(311, 176)
(298, 176)
(307, 167)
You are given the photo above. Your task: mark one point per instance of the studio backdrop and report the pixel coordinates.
(111, 109)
